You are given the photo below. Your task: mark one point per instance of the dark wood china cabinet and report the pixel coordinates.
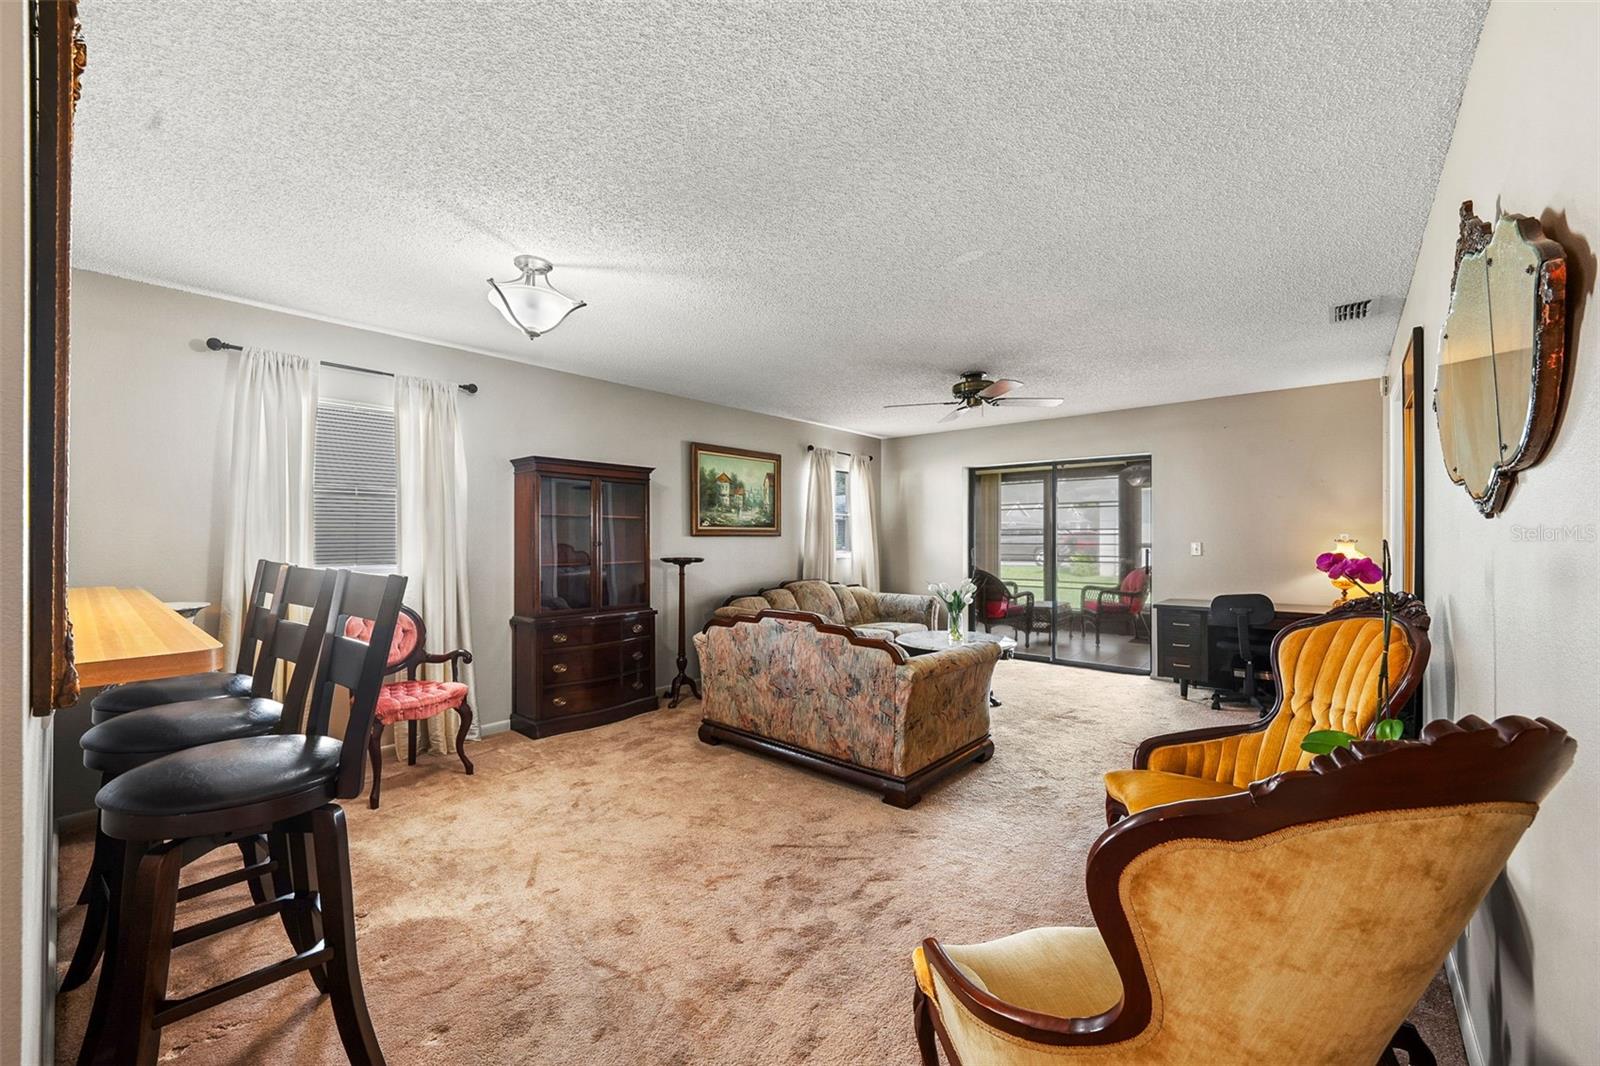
(583, 637)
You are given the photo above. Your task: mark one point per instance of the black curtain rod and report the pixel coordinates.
(813, 447)
(223, 346)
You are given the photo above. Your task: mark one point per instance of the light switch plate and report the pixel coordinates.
(1197, 547)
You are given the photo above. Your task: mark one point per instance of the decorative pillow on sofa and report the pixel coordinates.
(817, 597)
(782, 599)
(847, 603)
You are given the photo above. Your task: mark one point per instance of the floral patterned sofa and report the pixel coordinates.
(825, 696)
(879, 614)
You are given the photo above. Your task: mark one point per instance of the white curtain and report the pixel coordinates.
(816, 547)
(269, 476)
(863, 521)
(432, 509)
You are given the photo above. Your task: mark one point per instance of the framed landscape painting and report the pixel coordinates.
(736, 492)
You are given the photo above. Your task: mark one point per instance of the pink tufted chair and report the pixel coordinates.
(412, 700)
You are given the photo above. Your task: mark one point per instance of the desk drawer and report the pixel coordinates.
(1182, 641)
(1181, 665)
(1181, 625)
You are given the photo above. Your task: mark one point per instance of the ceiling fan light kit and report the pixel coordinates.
(976, 390)
(533, 308)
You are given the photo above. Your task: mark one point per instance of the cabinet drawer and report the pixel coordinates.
(583, 663)
(600, 631)
(638, 682)
(595, 662)
(561, 700)
(634, 656)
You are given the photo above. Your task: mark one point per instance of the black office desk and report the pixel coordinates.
(1186, 646)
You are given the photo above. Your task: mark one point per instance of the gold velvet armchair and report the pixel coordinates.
(1221, 924)
(1326, 674)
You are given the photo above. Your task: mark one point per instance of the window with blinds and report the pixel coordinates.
(841, 512)
(355, 486)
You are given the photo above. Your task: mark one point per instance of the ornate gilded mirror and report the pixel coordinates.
(1502, 354)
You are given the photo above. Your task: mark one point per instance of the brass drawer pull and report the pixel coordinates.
(559, 668)
(559, 638)
(638, 627)
(638, 684)
(560, 701)
(638, 655)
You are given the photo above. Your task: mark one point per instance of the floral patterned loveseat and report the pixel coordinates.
(886, 614)
(793, 685)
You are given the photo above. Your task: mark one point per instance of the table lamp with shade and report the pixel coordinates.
(1344, 544)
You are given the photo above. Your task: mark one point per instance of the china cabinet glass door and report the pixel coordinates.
(566, 554)
(623, 539)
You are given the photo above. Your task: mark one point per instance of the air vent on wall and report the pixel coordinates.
(1352, 311)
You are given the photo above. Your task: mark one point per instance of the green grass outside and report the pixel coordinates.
(1069, 586)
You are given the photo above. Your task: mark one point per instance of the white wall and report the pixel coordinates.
(149, 444)
(1516, 617)
(1264, 481)
(27, 842)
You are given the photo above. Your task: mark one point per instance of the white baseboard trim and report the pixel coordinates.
(1469, 1035)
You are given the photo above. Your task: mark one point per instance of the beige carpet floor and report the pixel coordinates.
(629, 895)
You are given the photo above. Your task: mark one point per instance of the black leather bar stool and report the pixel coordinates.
(169, 812)
(132, 737)
(121, 699)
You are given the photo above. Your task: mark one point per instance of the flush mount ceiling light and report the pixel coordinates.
(533, 308)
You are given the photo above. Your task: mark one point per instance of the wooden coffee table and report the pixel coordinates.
(927, 641)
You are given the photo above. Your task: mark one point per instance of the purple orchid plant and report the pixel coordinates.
(1362, 573)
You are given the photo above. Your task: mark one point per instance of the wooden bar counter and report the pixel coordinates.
(122, 635)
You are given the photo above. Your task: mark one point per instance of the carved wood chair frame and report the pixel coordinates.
(1513, 759)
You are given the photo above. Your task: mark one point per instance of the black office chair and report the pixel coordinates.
(1239, 614)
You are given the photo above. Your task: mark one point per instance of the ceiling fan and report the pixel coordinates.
(975, 390)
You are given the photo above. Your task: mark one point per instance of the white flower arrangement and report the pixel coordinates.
(956, 599)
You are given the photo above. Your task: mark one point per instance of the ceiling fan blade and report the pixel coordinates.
(1032, 401)
(953, 415)
(931, 403)
(998, 389)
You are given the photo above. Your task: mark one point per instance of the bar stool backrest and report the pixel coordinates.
(265, 590)
(293, 639)
(355, 665)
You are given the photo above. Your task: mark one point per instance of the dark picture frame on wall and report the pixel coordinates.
(734, 492)
(1414, 417)
(59, 58)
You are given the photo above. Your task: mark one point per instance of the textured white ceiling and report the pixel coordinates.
(809, 209)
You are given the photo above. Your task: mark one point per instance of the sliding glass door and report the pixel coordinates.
(1061, 552)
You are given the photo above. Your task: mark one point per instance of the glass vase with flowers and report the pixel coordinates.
(955, 599)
